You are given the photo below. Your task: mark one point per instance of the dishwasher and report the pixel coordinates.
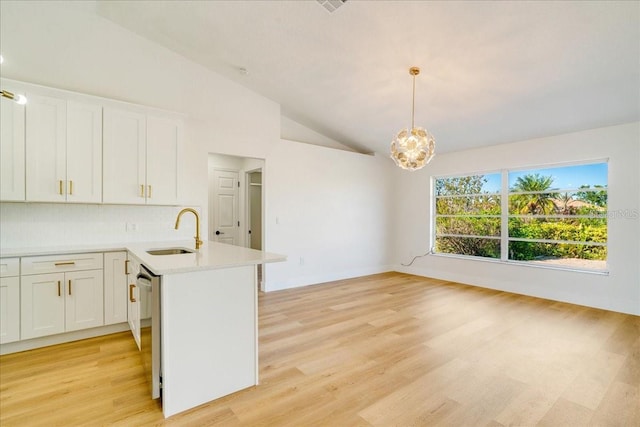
(149, 287)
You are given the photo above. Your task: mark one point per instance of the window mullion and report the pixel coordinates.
(504, 216)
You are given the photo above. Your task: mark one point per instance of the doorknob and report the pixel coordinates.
(218, 232)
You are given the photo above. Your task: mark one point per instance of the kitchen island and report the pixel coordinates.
(204, 308)
(208, 319)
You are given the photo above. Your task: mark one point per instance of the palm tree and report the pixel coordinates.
(536, 199)
(566, 199)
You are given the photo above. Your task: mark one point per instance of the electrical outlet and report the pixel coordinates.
(131, 226)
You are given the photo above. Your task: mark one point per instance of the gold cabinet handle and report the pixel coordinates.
(59, 289)
(131, 297)
(59, 264)
(60, 187)
(149, 195)
(141, 190)
(71, 188)
(69, 286)
(126, 266)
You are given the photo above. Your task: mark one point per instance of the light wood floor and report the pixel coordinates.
(383, 350)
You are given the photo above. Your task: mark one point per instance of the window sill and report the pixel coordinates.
(531, 264)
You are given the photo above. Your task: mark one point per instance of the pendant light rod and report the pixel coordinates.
(414, 71)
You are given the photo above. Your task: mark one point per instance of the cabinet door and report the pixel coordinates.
(133, 300)
(12, 150)
(124, 154)
(133, 311)
(41, 305)
(115, 287)
(84, 153)
(164, 143)
(9, 309)
(84, 299)
(46, 148)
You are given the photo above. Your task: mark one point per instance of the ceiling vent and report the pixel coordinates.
(331, 5)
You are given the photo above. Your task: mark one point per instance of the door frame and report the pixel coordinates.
(247, 217)
(247, 206)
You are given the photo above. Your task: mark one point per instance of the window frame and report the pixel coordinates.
(505, 215)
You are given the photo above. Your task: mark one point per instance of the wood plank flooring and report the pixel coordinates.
(383, 350)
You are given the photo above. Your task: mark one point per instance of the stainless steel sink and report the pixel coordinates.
(169, 251)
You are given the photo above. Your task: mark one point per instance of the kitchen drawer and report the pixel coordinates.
(9, 267)
(61, 263)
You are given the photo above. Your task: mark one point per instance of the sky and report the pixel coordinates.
(565, 177)
(569, 177)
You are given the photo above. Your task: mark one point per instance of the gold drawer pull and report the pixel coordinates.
(131, 297)
(60, 187)
(71, 188)
(126, 266)
(69, 286)
(149, 195)
(59, 264)
(59, 289)
(141, 190)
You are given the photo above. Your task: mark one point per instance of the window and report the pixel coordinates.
(468, 215)
(551, 216)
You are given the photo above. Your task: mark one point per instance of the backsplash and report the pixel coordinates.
(26, 225)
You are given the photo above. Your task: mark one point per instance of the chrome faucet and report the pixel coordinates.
(193, 211)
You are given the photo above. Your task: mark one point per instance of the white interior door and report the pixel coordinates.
(225, 226)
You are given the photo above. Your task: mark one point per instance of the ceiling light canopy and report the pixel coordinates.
(413, 149)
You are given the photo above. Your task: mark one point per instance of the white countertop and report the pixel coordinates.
(212, 255)
(61, 250)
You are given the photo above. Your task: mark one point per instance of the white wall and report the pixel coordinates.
(66, 45)
(294, 131)
(619, 291)
(329, 210)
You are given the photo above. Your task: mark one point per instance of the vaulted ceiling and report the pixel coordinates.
(492, 72)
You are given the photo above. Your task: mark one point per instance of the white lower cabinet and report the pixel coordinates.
(9, 300)
(84, 300)
(42, 305)
(64, 301)
(116, 286)
(133, 300)
(9, 309)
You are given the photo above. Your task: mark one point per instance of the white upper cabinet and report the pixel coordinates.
(69, 147)
(141, 158)
(12, 177)
(164, 137)
(84, 152)
(124, 157)
(63, 150)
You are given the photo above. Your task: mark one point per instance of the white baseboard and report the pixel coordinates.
(18, 346)
(299, 281)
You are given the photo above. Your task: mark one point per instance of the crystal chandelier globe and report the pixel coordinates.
(413, 149)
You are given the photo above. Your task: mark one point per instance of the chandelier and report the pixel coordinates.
(413, 149)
